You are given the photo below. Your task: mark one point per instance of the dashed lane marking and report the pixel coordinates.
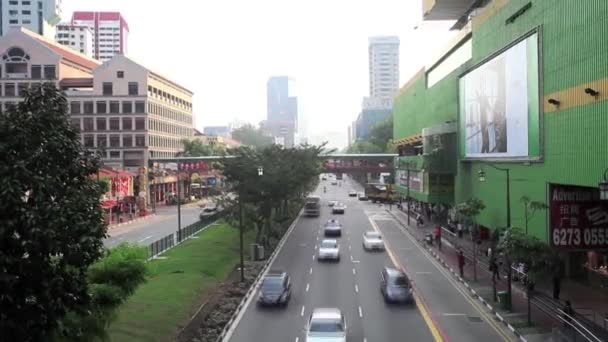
(302, 311)
(307, 287)
(356, 288)
(360, 312)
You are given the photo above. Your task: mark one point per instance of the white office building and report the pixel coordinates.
(383, 69)
(39, 16)
(76, 37)
(110, 33)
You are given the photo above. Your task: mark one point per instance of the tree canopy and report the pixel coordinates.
(379, 140)
(196, 148)
(51, 225)
(252, 136)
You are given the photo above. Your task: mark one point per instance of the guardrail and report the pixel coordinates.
(166, 243)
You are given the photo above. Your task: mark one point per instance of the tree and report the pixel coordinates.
(379, 139)
(51, 223)
(252, 136)
(195, 148)
(530, 208)
(469, 210)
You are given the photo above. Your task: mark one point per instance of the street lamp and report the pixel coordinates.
(482, 175)
(604, 187)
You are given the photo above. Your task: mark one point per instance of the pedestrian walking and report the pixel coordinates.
(419, 220)
(568, 314)
(494, 268)
(461, 263)
(438, 236)
(459, 228)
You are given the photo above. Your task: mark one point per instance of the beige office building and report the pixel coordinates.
(124, 110)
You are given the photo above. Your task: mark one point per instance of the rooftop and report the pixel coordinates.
(326, 313)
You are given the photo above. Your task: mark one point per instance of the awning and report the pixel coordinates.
(107, 204)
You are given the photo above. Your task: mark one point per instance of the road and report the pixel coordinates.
(154, 228)
(443, 310)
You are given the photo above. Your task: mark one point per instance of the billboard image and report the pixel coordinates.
(499, 105)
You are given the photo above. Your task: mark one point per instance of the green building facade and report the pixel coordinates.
(564, 56)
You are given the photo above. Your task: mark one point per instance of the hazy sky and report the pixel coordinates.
(225, 51)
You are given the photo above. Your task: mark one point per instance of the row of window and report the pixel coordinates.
(159, 94)
(104, 140)
(24, 2)
(36, 71)
(169, 113)
(165, 142)
(108, 88)
(109, 124)
(160, 126)
(105, 107)
(16, 21)
(16, 12)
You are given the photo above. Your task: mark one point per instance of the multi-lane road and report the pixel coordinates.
(443, 309)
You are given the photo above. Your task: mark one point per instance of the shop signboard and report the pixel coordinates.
(578, 219)
(415, 181)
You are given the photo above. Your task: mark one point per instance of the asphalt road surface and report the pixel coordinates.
(147, 231)
(443, 310)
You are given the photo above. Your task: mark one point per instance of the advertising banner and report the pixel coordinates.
(578, 219)
(499, 105)
(415, 181)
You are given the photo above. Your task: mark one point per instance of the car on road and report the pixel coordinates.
(326, 325)
(362, 196)
(372, 240)
(275, 289)
(352, 193)
(334, 182)
(332, 228)
(331, 203)
(338, 208)
(329, 250)
(395, 286)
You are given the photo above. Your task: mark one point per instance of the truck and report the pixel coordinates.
(379, 192)
(312, 206)
(339, 176)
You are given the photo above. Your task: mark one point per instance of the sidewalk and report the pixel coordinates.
(516, 319)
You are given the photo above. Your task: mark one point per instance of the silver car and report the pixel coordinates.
(326, 325)
(332, 228)
(372, 240)
(329, 250)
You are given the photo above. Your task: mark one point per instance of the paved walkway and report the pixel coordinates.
(543, 317)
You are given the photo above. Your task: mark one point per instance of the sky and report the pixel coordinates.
(225, 51)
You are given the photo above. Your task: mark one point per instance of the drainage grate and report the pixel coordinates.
(475, 319)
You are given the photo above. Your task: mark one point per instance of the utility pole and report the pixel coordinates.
(179, 206)
(408, 195)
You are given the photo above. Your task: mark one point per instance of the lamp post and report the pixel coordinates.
(482, 178)
(603, 185)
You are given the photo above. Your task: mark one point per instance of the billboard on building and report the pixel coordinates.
(578, 220)
(499, 105)
(416, 182)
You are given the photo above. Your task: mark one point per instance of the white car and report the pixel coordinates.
(352, 193)
(329, 250)
(326, 325)
(338, 208)
(373, 241)
(332, 203)
(332, 228)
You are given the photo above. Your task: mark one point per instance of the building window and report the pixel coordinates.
(89, 140)
(114, 140)
(114, 107)
(127, 124)
(102, 140)
(127, 140)
(89, 124)
(120, 74)
(102, 107)
(114, 154)
(22, 89)
(89, 108)
(114, 124)
(36, 72)
(50, 72)
(140, 107)
(9, 89)
(13, 21)
(133, 88)
(107, 88)
(127, 107)
(13, 2)
(140, 140)
(101, 124)
(140, 124)
(76, 123)
(26, 12)
(75, 107)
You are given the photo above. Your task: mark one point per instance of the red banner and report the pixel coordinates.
(578, 219)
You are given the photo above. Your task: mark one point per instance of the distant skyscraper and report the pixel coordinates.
(76, 37)
(282, 107)
(383, 68)
(38, 16)
(110, 32)
(223, 131)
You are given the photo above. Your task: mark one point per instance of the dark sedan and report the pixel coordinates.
(275, 289)
(395, 286)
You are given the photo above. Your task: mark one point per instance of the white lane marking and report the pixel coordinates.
(351, 258)
(364, 339)
(356, 261)
(297, 339)
(302, 311)
(144, 239)
(310, 272)
(354, 271)
(360, 312)
(356, 288)
(307, 286)
(313, 257)
(422, 272)
(349, 247)
(452, 314)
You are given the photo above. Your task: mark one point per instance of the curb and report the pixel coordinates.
(461, 280)
(110, 227)
(230, 327)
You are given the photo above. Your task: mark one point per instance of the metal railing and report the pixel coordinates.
(164, 244)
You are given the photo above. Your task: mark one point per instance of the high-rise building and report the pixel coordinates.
(110, 32)
(76, 37)
(39, 16)
(282, 106)
(383, 67)
(223, 131)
